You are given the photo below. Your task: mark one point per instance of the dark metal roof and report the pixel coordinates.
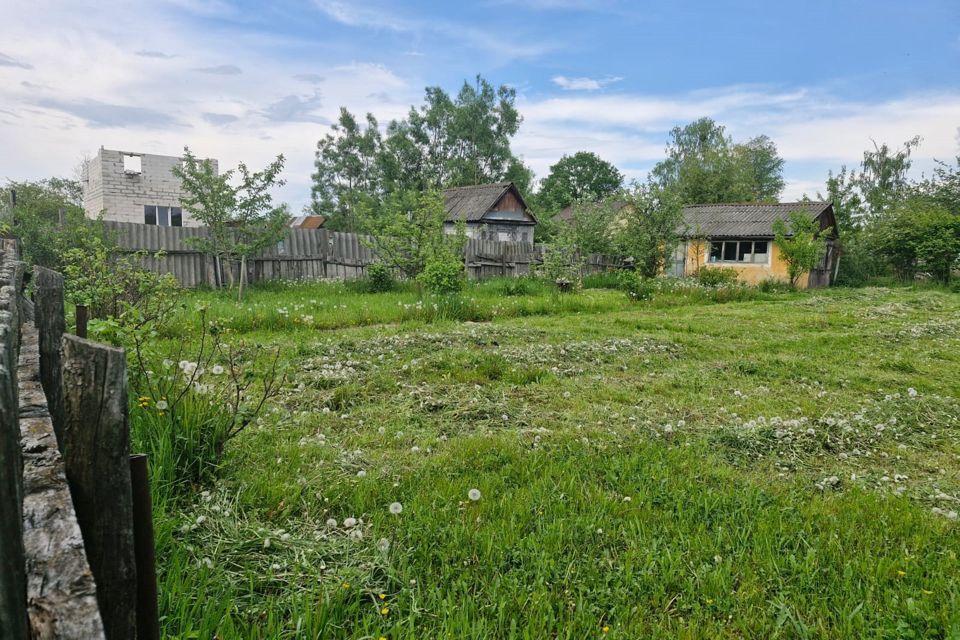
(470, 204)
(744, 220)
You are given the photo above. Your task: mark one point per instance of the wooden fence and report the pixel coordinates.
(314, 254)
(70, 549)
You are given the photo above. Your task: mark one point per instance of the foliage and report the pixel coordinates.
(191, 396)
(704, 166)
(36, 221)
(108, 283)
(717, 276)
(241, 218)
(649, 231)
(443, 273)
(347, 173)
(637, 285)
(562, 262)
(408, 230)
(447, 141)
(595, 226)
(380, 278)
(802, 245)
(919, 235)
(583, 177)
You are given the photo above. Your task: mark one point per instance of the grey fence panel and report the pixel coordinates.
(313, 254)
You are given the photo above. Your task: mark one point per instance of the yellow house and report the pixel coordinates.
(740, 236)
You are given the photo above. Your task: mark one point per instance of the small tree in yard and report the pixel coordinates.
(650, 230)
(241, 218)
(802, 246)
(408, 230)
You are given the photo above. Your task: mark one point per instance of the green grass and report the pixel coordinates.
(749, 469)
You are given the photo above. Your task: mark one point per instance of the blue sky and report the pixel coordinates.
(247, 80)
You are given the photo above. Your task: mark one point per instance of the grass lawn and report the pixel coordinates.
(784, 467)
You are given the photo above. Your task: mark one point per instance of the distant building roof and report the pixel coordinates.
(747, 220)
(472, 203)
(569, 214)
(307, 222)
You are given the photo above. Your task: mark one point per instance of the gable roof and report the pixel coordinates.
(747, 220)
(569, 214)
(471, 203)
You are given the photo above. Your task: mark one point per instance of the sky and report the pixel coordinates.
(245, 81)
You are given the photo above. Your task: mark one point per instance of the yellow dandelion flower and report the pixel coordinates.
(901, 573)
(384, 611)
(346, 585)
(606, 629)
(383, 596)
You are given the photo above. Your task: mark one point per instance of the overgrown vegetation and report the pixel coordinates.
(611, 470)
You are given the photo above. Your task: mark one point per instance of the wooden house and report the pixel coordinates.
(490, 212)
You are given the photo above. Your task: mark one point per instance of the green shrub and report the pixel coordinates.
(443, 274)
(379, 278)
(636, 285)
(774, 285)
(717, 276)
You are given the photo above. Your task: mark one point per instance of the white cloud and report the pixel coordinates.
(814, 131)
(583, 84)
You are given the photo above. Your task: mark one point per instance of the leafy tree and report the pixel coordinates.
(883, 178)
(704, 165)
(944, 187)
(582, 177)
(49, 220)
(843, 191)
(594, 226)
(241, 217)
(408, 230)
(802, 245)
(349, 171)
(649, 231)
(445, 142)
(919, 235)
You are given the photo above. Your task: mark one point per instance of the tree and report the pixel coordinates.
(407, 229)
(445, 142)
(883, 178)
(241, 218)
(593, 227)
(582, 177)
(649, 231)
(349, 170)
(919, 235)
(49, 220)
(704, 165)
(802, 245)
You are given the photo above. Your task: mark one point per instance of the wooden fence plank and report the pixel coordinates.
(96, 449)
(61, 595)
(51, 322)
(13, 590)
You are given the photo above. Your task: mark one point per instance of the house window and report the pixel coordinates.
(163, 216)
(740, 251)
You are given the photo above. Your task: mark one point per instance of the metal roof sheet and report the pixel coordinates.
(743, 220)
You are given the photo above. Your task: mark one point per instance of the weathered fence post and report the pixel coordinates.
(51, 322)
(82, 316)
(148, 614)
(96, 450)
(13, 589)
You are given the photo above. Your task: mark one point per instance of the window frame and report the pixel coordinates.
(735, 247)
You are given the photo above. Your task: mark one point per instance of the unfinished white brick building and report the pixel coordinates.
(134, 187)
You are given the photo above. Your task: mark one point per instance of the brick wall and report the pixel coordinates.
(121, 196)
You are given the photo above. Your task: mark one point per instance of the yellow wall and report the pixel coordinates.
(748, 273)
